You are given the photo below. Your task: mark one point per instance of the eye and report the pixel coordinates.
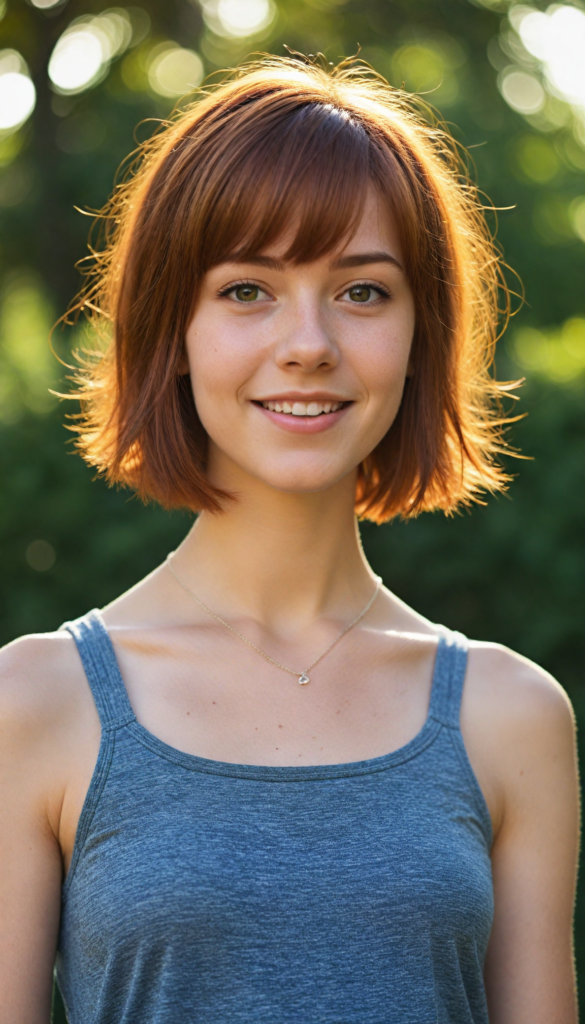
(366, 294)
(244, 292)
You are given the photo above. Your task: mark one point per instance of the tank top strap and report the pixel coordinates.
(101, 668)
(448, 677)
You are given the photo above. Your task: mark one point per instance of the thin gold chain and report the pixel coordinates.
(302, 676)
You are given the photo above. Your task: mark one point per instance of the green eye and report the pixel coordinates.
(246, 292)
(360, 293)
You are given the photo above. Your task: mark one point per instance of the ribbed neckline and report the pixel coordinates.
(288, 773)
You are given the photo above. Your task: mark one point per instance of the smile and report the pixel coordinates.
(297, 417)
(303, 408)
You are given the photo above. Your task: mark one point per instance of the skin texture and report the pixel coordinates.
(284, 565)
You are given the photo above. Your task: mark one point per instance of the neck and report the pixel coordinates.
(282, 558)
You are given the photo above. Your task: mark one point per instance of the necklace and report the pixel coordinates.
(303, 677)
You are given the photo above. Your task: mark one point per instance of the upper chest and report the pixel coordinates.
(207, 693)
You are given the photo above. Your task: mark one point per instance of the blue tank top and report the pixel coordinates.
(205, 892)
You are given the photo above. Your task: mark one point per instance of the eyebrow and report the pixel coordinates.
(360, 259)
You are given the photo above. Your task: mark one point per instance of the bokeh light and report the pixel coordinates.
(76, 60)
(556, 353)
(27, 367)
(175, 71)
(82, 55)
(17, 92)
(238, 19)
(40, 555)
(521, 90)
(44, 5)
(427, 67)
(577, 216)
(537, 158)
(556, 38)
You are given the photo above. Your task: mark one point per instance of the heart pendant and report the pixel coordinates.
(304, 679)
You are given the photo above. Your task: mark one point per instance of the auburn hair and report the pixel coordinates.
(285, 145)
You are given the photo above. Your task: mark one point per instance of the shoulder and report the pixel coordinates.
(518, 693)
(518, 727)
(42, 691)
(32, 667)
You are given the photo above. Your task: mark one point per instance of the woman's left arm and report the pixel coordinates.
(529, 970)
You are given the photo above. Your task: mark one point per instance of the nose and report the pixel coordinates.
(307, 339)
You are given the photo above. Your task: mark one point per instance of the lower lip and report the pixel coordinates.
(304, 424)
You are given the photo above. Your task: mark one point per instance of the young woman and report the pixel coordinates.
(257, 787)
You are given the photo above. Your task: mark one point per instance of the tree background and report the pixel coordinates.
(510, 571)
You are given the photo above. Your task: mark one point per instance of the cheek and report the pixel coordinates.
(218, 367)
(384, 363)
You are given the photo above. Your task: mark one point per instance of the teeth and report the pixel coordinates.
(303, 408)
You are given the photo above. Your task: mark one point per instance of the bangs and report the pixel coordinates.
(306, 175)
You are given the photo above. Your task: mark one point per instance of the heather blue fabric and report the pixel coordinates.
(203, 892)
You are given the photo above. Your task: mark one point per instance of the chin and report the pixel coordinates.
(290, 473)
(302, 480)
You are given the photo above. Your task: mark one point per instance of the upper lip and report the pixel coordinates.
(304, 396)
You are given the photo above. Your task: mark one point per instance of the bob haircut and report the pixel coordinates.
(285, 144)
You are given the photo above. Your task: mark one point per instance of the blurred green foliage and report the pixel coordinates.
(511, 571)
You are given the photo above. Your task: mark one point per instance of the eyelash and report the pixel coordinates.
(382, 292)
(237, 284)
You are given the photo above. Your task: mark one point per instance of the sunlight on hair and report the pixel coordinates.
(556, 353)
(555, 40)
(238, 19)
(82, 55)
(174, 71)
(17, 92)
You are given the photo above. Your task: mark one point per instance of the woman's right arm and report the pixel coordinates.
(32, 720)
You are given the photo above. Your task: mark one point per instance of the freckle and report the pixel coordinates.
(276, 748)
(280, 726)
(338, 712)
(256, 728)
(213, 702)
(188, 712)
